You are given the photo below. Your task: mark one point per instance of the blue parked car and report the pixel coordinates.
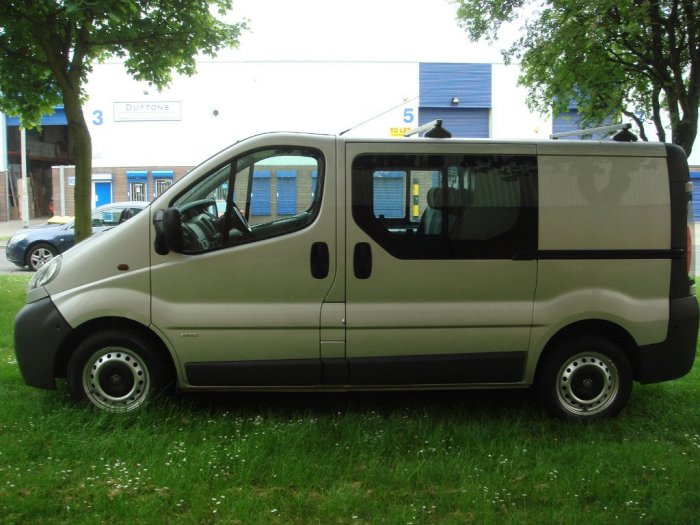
(34, 247)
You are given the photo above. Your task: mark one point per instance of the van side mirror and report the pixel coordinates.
(168, 226)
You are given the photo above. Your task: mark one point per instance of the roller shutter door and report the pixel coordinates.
(390, 194)
(286, 192)
(461, 122)
(260, 198)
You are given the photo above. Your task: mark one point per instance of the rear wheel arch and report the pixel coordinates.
(586, 371)
(594, 327)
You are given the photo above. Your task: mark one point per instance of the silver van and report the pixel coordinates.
(313, 262)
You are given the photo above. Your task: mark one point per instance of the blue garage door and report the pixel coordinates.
(390, 194)
(286, 192)
(260, 199)
(461, 122)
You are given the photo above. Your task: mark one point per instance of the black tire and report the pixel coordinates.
(39, 254)
(116, 371)
(585, 379)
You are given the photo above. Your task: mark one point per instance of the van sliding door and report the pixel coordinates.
(441, 277)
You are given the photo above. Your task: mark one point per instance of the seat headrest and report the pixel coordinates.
(447, 198)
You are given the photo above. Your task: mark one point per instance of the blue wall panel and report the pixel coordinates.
(58, 118)
(566, 122)
(470, 83)
(459, 94)
(695, 177)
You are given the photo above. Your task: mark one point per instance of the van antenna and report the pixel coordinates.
(384, 112)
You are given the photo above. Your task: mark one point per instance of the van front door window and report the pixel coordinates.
(262, 194)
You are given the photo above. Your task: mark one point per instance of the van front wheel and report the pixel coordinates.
(115, 371)
(584, 379)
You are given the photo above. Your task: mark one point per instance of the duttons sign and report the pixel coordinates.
(147, 111)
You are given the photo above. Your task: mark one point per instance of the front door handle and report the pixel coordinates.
(362, 260)
(320, 260)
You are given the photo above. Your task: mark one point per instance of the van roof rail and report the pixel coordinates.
(624, 135)
(431, 130)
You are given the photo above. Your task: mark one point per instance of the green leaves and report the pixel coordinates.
(608, 56)
(47, 48)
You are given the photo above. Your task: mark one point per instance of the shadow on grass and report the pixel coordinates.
(446, 403)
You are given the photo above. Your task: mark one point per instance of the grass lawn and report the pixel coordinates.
(443, 457)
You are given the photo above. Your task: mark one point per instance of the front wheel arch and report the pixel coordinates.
(116, 370)
(111, 323)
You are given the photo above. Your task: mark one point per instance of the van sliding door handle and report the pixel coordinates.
(362, 260)
(320, 261)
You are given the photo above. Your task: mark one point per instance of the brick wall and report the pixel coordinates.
(119, 183)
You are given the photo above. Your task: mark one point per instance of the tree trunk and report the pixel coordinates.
(685, 132)
(82, 153)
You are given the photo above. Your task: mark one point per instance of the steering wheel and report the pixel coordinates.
(197, 207)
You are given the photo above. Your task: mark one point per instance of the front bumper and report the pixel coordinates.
(673, 357)
(15, 254)
(40, 330)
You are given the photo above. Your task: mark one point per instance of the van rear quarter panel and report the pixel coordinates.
(603, 202)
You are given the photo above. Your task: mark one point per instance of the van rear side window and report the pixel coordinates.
(447, 206)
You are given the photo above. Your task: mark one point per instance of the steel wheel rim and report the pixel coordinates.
(587, 384)
(116, 379)
(40, 257)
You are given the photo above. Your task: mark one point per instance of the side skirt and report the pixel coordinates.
(365, 372)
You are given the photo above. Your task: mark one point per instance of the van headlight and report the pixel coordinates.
(46, 273)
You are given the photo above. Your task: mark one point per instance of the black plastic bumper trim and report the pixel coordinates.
(39, 331)
(674, 357)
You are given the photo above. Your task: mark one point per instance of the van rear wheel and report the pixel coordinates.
(116, 371)
(584, 379)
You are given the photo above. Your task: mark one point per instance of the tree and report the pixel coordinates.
(637, 58)
(48, 49)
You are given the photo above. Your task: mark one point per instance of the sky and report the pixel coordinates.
(357, 30)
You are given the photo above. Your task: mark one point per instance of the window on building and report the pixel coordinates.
(162, 180)
(137, 191)
(137, 185)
